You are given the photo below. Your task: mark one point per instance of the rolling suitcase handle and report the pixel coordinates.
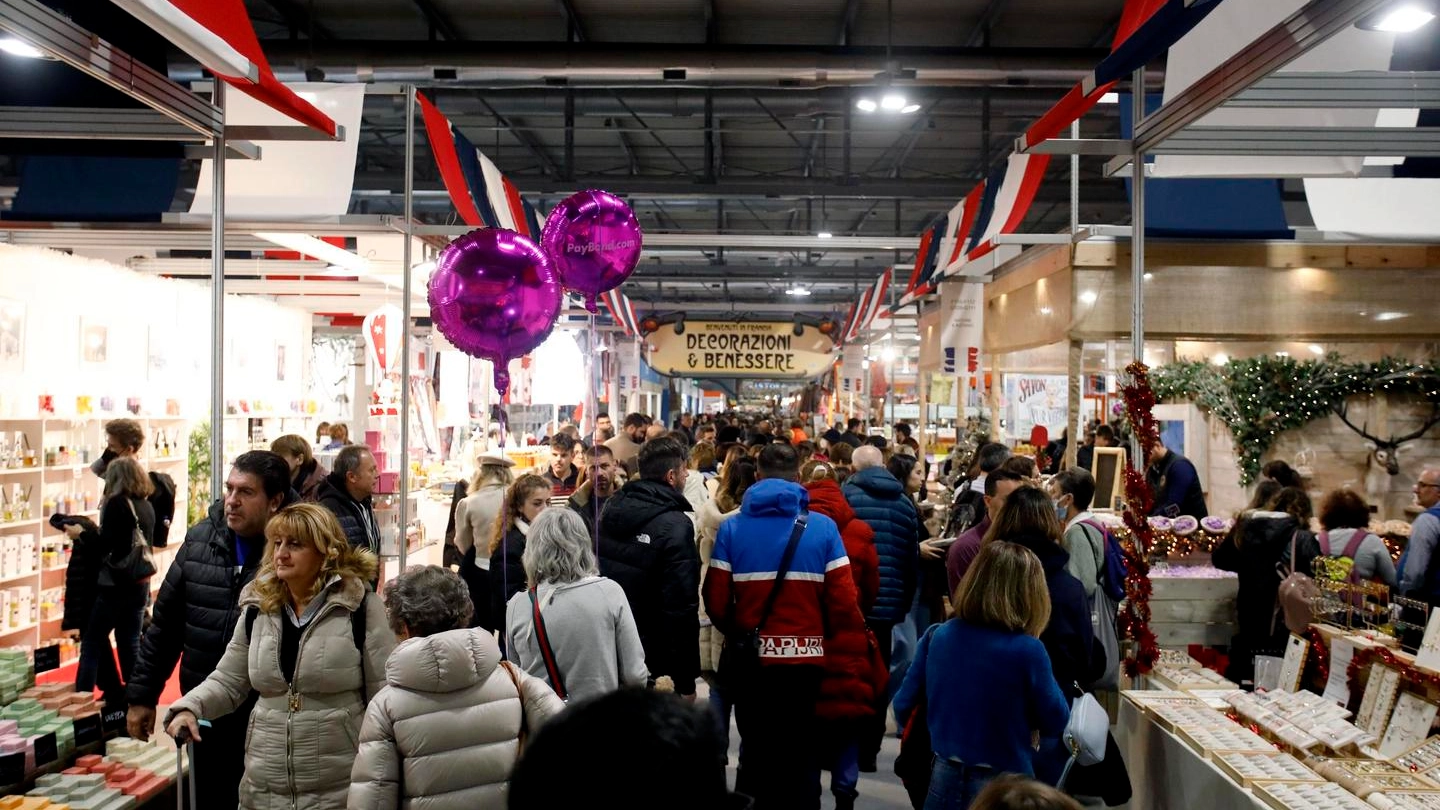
(185, 749)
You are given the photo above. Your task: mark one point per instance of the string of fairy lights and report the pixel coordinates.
(1258, 398)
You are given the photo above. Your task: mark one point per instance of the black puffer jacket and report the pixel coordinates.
(1261, 558)
(647, 544)
(196, 611)
(357, 518)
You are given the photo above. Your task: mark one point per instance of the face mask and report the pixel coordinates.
(1060, 511)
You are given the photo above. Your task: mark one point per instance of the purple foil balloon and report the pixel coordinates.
(494, 294)
(595, 240)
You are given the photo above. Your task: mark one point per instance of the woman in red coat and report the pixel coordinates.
(854, 681)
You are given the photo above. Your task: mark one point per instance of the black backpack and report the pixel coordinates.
(162, 500)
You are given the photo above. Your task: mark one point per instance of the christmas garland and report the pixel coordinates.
(1134, 621)
(1364, 656)
(1259, 398)
(1319, 653)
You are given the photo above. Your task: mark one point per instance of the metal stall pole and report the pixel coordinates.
(217, 303)
(408, 283)
(1137, 240)
(1075, 417)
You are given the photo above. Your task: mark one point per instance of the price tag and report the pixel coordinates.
(45, 750)
(12, 768)
(47, 658)
(87, 729)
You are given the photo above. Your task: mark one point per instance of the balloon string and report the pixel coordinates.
(594, 431)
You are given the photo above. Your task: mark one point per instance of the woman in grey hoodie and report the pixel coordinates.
(594, 647)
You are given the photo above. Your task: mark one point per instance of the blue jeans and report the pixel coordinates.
(845, 769)
(954, 785)
(119, 609)
(905, 640)
(721, 705)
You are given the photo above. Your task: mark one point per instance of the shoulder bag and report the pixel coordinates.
(1085, 733)
(136, 566)
(1296, 596)
(552, 667)
(740, 660)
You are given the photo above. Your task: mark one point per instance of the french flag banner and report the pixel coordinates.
(483, 196)
(869, 306)
(1008, 194)
(622, 310)
(1232, 27)
(229, 49)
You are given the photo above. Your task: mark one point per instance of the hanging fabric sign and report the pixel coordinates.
(745, 349)
(382, 332)
(963, 331)
(852, 370)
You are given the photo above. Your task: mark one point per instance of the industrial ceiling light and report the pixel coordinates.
(892, 101)
(1399, 19)
(16, 47)
(824, 235)
(888, 354)
(797, 290)
(866, 105)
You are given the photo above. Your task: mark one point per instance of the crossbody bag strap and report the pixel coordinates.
(552, 667)
(785, 560)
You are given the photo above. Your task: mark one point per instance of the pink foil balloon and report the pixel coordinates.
(595, 241)
(494, 294)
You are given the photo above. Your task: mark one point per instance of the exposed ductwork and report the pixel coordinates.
(638, 64)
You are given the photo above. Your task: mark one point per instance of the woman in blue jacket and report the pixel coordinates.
(983, 678)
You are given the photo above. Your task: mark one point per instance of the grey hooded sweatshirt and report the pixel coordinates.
(592, 634)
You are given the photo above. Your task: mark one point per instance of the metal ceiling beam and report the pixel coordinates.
(712, 23)
(847, 23)
(109, 123)
(525, 137)
(299, 19)
(980, 34)
(1077, 146)
(1294, 36)
(629, 150)
(56, 35)
(815, 140)
(652, 133)
(439, 21)
(1323, 141)
(574, 27)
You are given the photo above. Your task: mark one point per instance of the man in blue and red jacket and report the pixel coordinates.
(775, 708)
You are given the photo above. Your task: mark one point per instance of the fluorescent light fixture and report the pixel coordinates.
(1316, 348)
(1110, 98)
(1391, 316)
(1402, 19)
(1220, 359)
(319, 249)
(1089, 297)
(1149, 276)
(888, 354)
(208, 48)
(892, 102)
(16, 47)
(797, 290)
(824, 235)
(866, 105)
(909, 109)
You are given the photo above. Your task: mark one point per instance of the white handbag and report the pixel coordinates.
(1086, 733)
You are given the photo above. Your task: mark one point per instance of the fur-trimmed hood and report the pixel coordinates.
(350, 580)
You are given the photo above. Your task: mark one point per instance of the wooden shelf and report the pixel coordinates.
(22, 628)
(23, 524)
(21, 471)
(18, 577)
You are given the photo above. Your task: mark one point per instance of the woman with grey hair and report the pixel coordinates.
(445, 731)
(572, 627)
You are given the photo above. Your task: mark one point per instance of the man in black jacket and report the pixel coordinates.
(195, 614)
(647, 544)
(347, 493)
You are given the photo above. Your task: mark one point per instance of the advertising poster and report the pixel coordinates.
(1035, 399)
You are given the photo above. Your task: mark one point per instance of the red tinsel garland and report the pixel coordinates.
(1134, 620)
(1364, 656)
(1319, 653)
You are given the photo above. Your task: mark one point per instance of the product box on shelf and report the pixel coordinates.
(92, 790)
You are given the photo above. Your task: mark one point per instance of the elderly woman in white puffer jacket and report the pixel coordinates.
(445, 731)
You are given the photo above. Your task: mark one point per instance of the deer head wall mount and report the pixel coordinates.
(1386, 452)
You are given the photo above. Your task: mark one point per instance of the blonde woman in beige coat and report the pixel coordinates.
(445, 731)
(312, 642)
